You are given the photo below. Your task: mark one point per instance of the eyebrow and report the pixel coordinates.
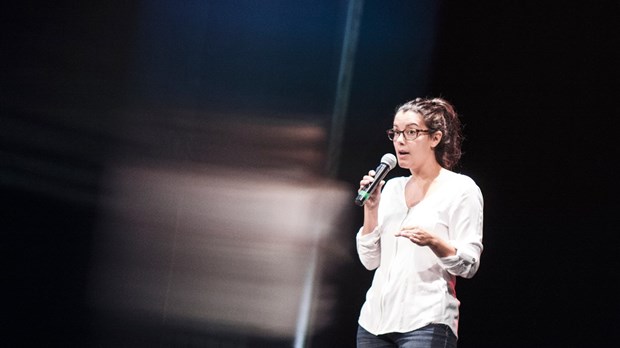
(408, 125)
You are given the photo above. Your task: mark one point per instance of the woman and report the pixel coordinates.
(419, 233)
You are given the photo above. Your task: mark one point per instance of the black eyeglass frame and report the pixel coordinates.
(394, 134)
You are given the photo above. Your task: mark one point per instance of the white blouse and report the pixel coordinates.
(412, 287)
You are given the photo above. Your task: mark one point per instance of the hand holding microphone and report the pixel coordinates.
(388, 162)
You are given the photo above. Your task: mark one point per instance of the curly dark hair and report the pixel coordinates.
(440, 115)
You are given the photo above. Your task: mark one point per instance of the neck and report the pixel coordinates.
(426, 173)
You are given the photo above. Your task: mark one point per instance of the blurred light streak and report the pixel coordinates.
(345, 76)
(235, 243)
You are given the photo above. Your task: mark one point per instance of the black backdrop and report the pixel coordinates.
(535, 83)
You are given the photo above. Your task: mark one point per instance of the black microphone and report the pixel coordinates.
(388, 162)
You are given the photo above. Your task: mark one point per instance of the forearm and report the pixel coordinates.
(441, 248)
(371, 220)
(465, 261)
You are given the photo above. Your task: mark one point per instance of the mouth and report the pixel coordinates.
(402, 152)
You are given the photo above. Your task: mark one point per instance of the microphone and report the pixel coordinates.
(388, 162)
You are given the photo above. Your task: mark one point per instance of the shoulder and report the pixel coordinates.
(459, 182)
(396, 183)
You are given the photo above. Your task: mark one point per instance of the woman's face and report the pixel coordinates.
(414, 153)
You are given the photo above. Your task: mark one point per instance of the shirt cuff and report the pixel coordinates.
(368, 239)
(453, 260)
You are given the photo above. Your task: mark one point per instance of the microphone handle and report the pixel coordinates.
(364, 193)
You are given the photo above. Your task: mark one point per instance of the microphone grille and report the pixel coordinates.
(389, 159)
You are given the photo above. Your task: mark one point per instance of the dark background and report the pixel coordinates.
(535, 84)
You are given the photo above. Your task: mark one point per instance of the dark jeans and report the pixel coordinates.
(430, 336)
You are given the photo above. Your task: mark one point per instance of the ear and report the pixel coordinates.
(436, 138)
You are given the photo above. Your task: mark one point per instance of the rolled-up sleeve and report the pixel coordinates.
(369, 248)
(466, 234)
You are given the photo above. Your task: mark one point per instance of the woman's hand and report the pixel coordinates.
(421, 237)
(417, 236)
(375, 197)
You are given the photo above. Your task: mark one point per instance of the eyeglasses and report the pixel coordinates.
(409, 134)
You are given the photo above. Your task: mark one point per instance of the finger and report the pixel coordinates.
(404, 232)
(364, 182)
